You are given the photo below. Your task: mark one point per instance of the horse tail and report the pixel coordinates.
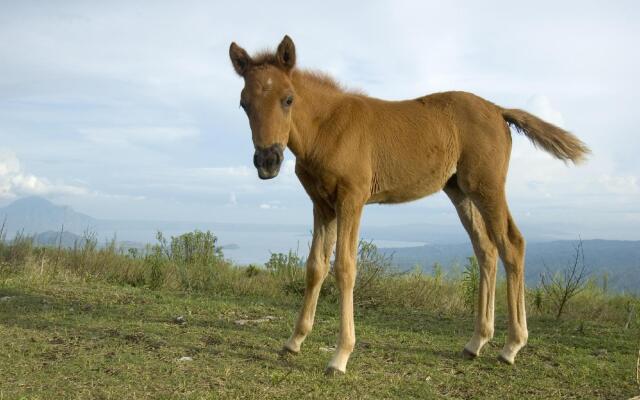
(560, 143)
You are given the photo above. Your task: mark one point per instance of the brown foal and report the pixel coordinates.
(352, 150)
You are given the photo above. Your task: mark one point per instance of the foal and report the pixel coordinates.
(353, 150)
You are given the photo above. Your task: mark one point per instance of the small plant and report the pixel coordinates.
(471, 283)
(371, 266)
(560, 287)
(605, 282)
(630, 308)
(538, 294)
(252, 270)
(288, 269)
(438, 272)
(156, 271)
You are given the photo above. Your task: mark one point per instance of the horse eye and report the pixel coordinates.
(288, 101)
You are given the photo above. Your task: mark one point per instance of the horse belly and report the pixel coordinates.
(413, 183)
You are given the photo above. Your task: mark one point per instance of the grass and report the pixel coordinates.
(77, 339)
(94, 322)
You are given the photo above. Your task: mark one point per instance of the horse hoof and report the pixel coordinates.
(505, 360)
(286, 352)
(468, 354)
(331, 372)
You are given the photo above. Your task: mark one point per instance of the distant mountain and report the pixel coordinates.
(618, 258)
(35, 214)
(55, 239)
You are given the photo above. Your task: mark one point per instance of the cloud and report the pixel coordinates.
(14, 182)
(540, 106)
(108, 96)
(271, 205)
(233, 199)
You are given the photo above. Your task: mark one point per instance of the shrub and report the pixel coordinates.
(372, 267)
(287, 268)
(562, 286)
(471, 283)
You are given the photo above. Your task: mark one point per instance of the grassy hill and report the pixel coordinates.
(181, 322)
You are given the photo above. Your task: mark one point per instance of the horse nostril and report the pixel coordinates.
(271, 160)
(268, 158)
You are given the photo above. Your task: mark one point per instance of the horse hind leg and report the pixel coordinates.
(504, 233)
(487, 255)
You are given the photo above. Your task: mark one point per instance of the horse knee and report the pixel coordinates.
(345, 275)
(487, 252)
(316, 272)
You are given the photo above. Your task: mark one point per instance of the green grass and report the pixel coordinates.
(73, 338)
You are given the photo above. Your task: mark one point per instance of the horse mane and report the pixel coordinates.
(268, 58)
(322, 79)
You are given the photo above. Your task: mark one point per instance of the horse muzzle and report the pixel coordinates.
(268, 161)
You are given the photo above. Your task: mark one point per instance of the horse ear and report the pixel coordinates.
(239, 58)
(286, 54)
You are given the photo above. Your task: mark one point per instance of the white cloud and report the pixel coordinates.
(271, 205)
(619, 185)
(157, 109)
(540, 105)
(14, 182)
(233, 199)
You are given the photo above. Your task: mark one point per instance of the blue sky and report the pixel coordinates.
(126, 110)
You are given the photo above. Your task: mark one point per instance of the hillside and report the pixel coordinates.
(619, 259)
(186, 323)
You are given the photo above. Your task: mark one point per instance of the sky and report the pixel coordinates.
(129, 110)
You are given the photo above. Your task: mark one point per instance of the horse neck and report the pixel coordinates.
(315, 105)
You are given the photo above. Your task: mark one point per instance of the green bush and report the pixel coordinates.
(470, 283)
(288, 269)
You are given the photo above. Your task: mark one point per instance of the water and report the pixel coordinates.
(256, 247)
(250, 247)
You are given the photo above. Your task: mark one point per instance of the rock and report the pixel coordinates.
(185, 358)
(600, 353)
(254, 321)
(6, 298)
(180, 320)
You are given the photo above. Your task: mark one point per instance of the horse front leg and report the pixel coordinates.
(349, 212)
(323, 242)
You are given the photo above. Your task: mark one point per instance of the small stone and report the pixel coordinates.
(268, 318)
(600, 353)
(185, 358)
(5, 298)
(180, 320)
